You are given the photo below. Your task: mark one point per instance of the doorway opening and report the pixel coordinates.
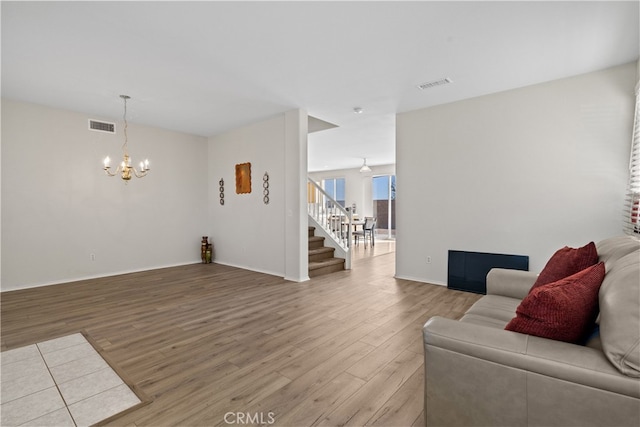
(384, 205)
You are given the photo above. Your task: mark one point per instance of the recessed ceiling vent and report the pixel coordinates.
(99, 126)
(435, 83)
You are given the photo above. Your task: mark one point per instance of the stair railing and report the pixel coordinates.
(329, 214)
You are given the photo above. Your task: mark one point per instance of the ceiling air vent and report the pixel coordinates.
(434, 83)
(99, 126)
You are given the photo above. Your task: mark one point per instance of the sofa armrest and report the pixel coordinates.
(555, 359)
(510, 283)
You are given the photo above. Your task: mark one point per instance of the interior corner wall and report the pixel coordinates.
(246, 232)
(59, 208)
(524, 172)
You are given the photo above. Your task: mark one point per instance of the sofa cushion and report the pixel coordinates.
(620, 314)
(612, 249)
(567, 261)
(492, 310)
(564, 310)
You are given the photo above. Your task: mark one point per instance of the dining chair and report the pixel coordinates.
(368, 228)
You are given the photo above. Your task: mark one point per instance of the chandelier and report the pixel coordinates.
(364, 167)
(125, 168)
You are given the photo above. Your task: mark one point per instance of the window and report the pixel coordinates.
(632, 207)
(335, 188)
(384, 203)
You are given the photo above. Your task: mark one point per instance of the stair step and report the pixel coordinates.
(330, 265)
(320, 254)
(316, 242)
(321, 259)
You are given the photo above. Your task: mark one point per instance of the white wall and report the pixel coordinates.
(58, 207)
(358, 186)
(245, 232)
(521, 172)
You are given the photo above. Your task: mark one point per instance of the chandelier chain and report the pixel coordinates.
(126, 125)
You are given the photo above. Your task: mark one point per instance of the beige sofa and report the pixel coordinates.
(477, 373)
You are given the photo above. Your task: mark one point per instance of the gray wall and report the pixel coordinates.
(58, 206)
(247, 233)
(525, 171)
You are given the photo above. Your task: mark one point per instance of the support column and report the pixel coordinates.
(296, 222)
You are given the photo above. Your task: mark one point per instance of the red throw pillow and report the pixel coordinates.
(564, 310)
(565, 262)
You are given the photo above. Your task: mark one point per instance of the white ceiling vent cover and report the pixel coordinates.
(100, 126)
(435, 83)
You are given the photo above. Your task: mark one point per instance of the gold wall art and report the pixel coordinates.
(243, 178)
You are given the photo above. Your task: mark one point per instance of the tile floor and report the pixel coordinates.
(61, 382)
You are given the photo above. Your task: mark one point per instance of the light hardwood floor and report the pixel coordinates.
(205, 341)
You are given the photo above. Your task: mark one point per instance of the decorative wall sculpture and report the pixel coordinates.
(265, 188)
(221, 191)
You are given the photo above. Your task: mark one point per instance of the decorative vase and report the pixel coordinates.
(208, 253)
(203, 249)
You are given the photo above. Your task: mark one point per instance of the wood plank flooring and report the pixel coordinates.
(209, 341)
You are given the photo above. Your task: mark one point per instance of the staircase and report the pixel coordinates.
(321, 259)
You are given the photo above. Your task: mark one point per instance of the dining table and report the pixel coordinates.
(354, 222)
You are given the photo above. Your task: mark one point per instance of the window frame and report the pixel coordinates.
(632, 198)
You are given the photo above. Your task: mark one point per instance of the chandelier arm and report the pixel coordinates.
(107, 170)
(138, 174)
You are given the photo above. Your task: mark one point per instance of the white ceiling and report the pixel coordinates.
(206, 67)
